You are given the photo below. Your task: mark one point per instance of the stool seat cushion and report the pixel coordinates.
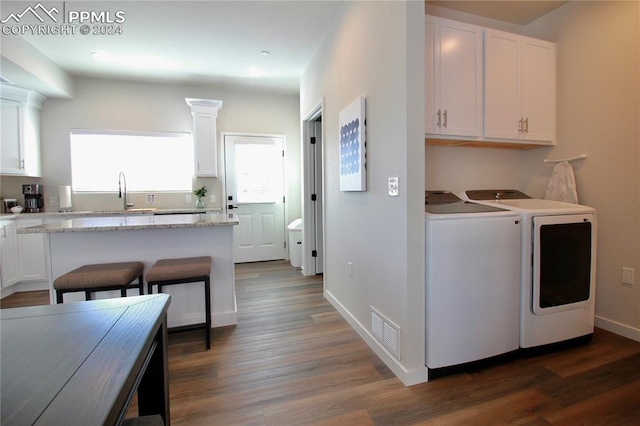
(99, 276)
(179, 269)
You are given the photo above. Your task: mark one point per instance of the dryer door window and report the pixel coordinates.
(563, 262)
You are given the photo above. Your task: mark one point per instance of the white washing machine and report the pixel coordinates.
(558, 258)
(472, 282)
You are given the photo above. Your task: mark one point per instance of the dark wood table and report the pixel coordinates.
(81, 363)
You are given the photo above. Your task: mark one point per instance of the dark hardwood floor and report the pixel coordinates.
(293, 360)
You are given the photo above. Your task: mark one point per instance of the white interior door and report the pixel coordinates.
(254, 170)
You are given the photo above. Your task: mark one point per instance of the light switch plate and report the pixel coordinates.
(393, 186)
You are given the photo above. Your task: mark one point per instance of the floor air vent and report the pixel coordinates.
(386, 332)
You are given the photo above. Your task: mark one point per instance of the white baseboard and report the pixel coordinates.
(217, 320)
(407, 377)
(34, 286)
(224, 319)
(22, 287)
(618, 328)
(4, 292)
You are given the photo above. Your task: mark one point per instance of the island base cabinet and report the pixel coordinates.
(70, 250)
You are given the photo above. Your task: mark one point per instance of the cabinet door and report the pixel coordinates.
(538, 89)
(12, 158)
(31, 142)
(31, 252)
(8, 254)
(460, 79)
(501, 85)
(453, 78)
(432, 89)
(205, 144)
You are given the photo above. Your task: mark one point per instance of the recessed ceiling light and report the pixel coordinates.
(265, 53)
(255, 72)
(101, 56)
(137, 61)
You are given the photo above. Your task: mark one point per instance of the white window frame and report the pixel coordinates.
(133, 169)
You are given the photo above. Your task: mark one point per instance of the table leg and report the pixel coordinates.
(153, 391)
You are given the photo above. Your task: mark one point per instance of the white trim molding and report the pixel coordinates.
(618, 328)
(407, 377)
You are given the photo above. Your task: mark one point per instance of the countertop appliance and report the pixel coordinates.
(472, 282)
(9, 203)
(33, 200)
(558, 257)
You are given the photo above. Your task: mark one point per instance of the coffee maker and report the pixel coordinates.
(33, 201)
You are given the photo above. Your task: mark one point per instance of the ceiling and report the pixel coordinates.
(516, 12)
(215, 42)
(212, 41)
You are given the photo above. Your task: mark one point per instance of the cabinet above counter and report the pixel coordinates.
(20, 142)
(487, 88)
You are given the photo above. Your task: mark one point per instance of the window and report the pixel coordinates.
(256, 172)
(150, 161)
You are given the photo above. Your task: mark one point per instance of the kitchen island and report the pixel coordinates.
(88, 240)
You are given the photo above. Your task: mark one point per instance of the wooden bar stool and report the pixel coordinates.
(181, 271)
(100, 277)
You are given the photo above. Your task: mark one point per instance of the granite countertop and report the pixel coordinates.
(133, 222)
(105, 213)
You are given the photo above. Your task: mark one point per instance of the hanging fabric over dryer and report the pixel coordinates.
(562, 184)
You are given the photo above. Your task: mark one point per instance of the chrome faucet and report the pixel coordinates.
(122, 191)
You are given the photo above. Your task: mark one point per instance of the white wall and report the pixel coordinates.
(598, 114)
(598, 49)
(457, 169)
(135, 106)
(376, 50)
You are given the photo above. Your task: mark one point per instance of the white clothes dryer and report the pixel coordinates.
(472, 292)
(558, 259)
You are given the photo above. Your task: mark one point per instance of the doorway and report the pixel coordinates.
(312, 202)
(254, 187)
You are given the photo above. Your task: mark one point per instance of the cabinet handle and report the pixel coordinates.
(22, 163)
(445, 119)
(438, 114)
(520, 125)
(526, 125)
(4, 232)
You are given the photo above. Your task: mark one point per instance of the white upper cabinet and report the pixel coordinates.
(519, 99)
(11, 118)
(453, 78)
(205, 136)
(20, 123)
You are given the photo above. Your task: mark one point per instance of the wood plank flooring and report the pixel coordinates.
(293, 360)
